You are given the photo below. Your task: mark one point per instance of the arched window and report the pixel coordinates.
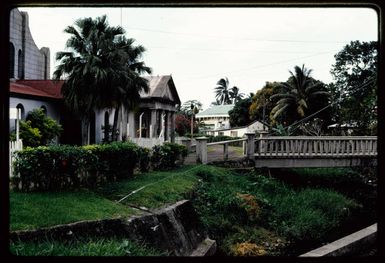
(11, 60)
(20, 66)
(45, 66)
(20, 107)
(44, 108)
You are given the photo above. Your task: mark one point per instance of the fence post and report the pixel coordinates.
(201, 150)
(250, 148)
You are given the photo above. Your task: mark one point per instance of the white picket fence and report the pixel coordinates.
(13, 147)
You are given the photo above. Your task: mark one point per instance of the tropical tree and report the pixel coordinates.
(235, 95)
(222, 91)
(297, 94)
(355, 86)
(191, 107)
(239, 115)
(262, 105)
(101, 70)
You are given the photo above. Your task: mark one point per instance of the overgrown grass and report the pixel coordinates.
(83, 247)
(302, 215)
(35, 210)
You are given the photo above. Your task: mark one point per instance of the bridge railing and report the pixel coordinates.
(310, 146)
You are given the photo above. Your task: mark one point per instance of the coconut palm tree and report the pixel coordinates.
(235, 95)
(101, 70)
(222, 91)
(297, 93)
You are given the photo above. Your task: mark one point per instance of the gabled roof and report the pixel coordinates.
(40, 88)
(216, 111)
(161, 87)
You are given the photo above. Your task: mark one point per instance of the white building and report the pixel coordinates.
(215, 117)
(255, 126)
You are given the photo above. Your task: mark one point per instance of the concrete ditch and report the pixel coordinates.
(348, 245)
(175, 228)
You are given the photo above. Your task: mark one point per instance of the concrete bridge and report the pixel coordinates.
(299, 151)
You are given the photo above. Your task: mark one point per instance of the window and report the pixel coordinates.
(234, 133)
(20, 66)
(11, 60)
(20, 107)
(45, 66)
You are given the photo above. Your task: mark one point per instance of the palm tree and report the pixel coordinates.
(297, 93)
(102, 70)
(222, 91)
(235, 95)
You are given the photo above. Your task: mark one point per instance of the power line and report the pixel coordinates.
(234, 50)
(236, 38)
(256, 67)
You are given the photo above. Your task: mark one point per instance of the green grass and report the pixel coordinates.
(160, 188)
(35, 210)
(83, 247)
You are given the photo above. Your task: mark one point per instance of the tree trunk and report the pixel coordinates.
(115, 124)
(85, 132)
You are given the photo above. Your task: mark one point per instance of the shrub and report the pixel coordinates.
(64, 166)
(38, 129)
(166, 156)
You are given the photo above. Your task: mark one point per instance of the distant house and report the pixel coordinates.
(255, 126)
(216, 117)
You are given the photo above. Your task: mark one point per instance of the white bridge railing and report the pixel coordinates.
(308, 146)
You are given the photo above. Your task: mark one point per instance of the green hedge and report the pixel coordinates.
(63, 166)
(167, 156)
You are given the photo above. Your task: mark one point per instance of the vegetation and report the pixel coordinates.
(165, 156)
(248, 214)
(38, 129)
(102, 70)
(239, 115)
(42, 209)
(226, 95)
(63, 166)
(86, 246)
(355, 88)
(297, 95)
(284, 215)
(261, 105)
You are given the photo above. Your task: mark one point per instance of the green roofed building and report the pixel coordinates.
(216, 117)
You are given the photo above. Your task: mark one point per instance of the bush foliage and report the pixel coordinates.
(62, 166)
(167, 155)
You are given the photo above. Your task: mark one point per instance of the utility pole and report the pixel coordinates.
(263, 114)
(192, 120)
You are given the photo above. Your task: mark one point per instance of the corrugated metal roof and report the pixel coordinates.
(41, 88)
(217, 110)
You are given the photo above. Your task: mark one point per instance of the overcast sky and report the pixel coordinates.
(198, 46)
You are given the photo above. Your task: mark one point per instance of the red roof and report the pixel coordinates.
(41, 88)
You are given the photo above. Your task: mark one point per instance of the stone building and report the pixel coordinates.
(27, 61)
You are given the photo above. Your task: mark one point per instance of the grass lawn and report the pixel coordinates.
(35, 210)
(88, 246)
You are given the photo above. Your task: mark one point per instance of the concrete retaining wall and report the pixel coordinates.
(347, 245)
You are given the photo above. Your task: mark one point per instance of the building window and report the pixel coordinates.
(11, 60)
(20, 66)
(20, 107)
(221, 133)
(106, 126)
(45, 66)
(234, 133)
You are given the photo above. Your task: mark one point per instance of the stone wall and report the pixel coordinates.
(34, 62)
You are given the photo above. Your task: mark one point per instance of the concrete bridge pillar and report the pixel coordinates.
(201, 150)
(250, 146)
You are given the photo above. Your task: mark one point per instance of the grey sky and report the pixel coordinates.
(198, 46)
